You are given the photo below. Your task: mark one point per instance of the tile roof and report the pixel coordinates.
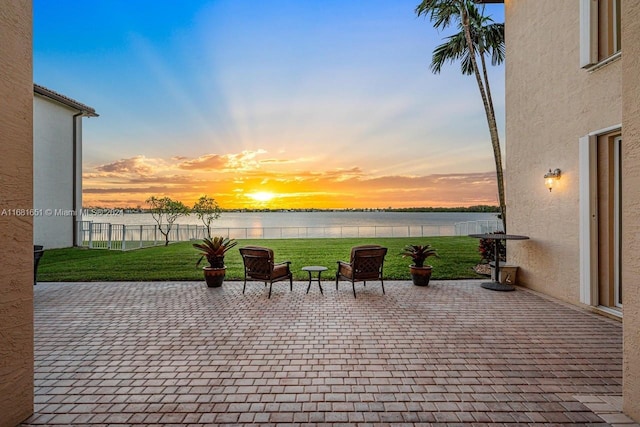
(84, 109)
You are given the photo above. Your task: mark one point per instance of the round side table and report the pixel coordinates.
(314, 269)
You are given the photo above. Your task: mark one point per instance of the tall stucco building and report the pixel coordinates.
(57, 167)
(572, 91)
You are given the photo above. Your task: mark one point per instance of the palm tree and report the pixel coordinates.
(478, 36)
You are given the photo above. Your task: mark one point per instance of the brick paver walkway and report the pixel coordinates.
(450, 354)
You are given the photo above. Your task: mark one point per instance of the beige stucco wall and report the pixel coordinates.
(631, 205)
(16, 250)
(543, 125)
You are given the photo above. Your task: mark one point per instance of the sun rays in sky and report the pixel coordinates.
(282, 104)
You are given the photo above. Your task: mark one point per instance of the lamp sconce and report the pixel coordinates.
(551, 177)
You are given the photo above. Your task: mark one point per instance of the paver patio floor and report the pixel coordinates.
(179, 353)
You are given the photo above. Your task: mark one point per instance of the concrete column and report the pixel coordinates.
(16, 199)
(631, 206)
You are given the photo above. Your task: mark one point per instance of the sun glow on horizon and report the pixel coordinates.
(262, 196)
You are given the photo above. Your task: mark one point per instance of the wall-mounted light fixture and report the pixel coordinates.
(551, 177)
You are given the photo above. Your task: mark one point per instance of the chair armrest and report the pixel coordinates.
(344, 269)
(282, 263)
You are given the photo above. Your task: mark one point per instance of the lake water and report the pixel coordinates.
(309, 219)
(291, 225)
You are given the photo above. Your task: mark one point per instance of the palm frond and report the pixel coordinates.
(440, 12)
(486, 36)
(451, 51)
(466, 65)
(494, 38)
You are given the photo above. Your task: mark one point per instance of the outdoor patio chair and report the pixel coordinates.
(365, 264)
(259, 265)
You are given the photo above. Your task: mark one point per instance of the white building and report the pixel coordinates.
(57, 167)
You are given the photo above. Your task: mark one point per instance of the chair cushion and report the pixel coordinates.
(257, 251)
(359, 248)
(366, 263)
(280, 270)
(258, 263)
(345, 270)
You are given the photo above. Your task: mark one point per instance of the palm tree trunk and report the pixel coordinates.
(495, 143)
(485, 76)
(488, 108)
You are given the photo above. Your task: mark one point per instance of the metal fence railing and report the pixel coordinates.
(478, 227)
(97, 235)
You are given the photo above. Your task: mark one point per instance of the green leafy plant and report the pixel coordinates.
(214, 250)
(166, 210)
(487, 249)
(207, 210)
(419, 253)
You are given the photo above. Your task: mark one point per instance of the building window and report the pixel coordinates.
(599, 31)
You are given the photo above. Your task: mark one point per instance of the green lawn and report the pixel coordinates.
(458, 255)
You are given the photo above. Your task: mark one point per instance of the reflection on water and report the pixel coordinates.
(309, 219)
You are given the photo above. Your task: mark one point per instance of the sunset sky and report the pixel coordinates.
(276, 104)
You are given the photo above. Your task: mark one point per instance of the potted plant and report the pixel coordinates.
(214, 250)
(420, 273)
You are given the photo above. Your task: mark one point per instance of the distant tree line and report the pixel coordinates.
(476, 208)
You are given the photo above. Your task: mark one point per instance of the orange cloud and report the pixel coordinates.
(139, 165)
(241, 161)
(208, 162)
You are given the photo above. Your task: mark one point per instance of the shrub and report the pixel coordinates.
(487, 249)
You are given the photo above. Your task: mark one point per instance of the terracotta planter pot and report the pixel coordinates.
(420, 275)
(214, 276)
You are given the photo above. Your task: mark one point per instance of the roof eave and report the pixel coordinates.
(72, 103)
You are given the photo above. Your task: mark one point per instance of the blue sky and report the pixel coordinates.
(290, 98)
